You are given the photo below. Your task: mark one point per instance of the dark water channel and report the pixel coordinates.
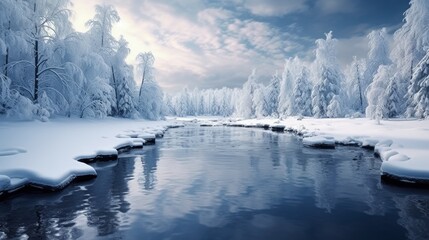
(225, 183)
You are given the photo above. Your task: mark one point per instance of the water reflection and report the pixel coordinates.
(226, 183)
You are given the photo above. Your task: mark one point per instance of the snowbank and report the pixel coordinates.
(402, 144)
(46, 154)
(319, 142)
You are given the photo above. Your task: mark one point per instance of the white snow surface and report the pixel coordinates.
(46, 153)
(319, 141)
(403, 144)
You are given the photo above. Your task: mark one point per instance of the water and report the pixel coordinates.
(226, 183)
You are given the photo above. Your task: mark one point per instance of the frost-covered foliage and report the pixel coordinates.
(375, 91)
(4, 94)
(418, 90)
(246, 106)
(50, 69)
(150, 98)
(356, 86)
(391, 99)
(412, 39)
(378, 55)
(260, 102)
(302, 94)
(273, 93)
(328, 77)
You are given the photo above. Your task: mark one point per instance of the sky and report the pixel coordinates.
(217, 43)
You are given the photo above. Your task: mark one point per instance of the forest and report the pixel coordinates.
(49, 69)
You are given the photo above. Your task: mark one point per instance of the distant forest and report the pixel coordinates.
(392, 81)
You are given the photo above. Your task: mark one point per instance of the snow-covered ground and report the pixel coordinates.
(45, 154)
(403, 145)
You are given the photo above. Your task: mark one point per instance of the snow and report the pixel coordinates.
(319, 142)
(45, 154)
(4, 182)
(402, 144)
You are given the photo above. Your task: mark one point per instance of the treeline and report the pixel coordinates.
(49, 69)
(392, 81)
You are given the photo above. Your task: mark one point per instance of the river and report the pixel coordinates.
(225, 183)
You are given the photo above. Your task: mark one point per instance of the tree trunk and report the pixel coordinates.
(36, 71)
(141, 86)
(116, 89)
(360, 91)
(36, 62)
(5, 70)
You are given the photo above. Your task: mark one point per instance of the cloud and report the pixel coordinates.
(199, 46)
(274, 7)
(336, 6)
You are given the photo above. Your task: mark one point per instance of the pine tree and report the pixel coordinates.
(245, 106)
(125, 100)
(260, 102)
(302, 95)
(391, 99)
(334, 109)
(328, 78)
(356, 86)
(375, 91)
(286, 87)
(418, 90)
(273, 92)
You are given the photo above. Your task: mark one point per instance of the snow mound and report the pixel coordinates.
(4, 182)
(319, 142)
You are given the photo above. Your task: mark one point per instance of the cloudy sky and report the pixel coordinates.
(216, 43)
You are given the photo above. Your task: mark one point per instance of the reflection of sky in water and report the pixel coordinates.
(227, 183)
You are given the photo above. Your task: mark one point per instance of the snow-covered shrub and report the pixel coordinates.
(22, 108)
(4, 94)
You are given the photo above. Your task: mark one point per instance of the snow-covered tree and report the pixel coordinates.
(334, 109)
(102, 24)
(391, 99)
(96, 102)
(378, 55)
(273, 93)
(412, 39)
(302, 94)
(150, 104)
(418, 90)
(375, 91)
(4, 93)
(260, 101)
(328, 77)
(356, 86)
(125, 101)
(410, 43)
(245, 107)
(145, 63)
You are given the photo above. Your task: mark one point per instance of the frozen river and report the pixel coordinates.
(226, 183)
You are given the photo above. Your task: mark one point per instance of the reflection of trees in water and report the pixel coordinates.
(325, 185)
(414, 215)
(149, 162)
(55, 215)
(108, 197)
